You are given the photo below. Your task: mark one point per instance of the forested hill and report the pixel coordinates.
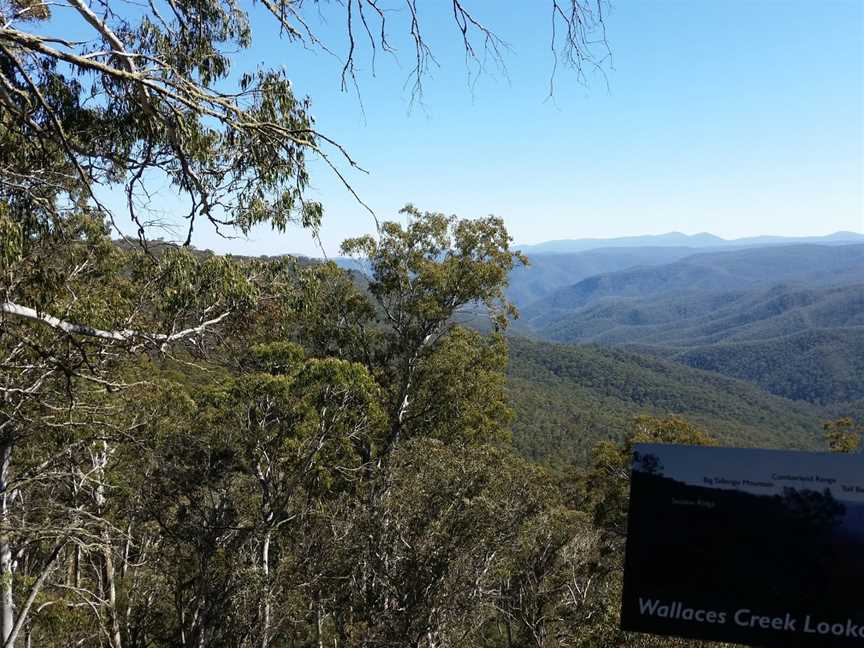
(548, 272)
(805, 344)
(821, 366)
(789, 319)
(566, 398)
(810, 265)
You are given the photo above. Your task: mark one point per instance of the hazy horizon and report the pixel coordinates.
(520, 244)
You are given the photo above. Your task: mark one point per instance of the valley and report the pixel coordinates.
(758, 344)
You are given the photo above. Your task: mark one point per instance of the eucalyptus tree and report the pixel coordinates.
(231, 486)
(424, 278)
(101, 103)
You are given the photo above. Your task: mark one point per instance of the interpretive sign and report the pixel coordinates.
(760, 547)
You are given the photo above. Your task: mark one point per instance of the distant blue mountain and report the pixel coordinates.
(677, 239)
(789, 318)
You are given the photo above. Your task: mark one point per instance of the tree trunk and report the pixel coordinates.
(111, 590)
(34, 592)
(8, 616)
(265, 565)
(74, 552)
(100, 461)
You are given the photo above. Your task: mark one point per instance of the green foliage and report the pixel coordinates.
(329, 315)
(843, 435)
(566, 398)
(277, 358)
(85, 119)
(442, 263)
(459, 392)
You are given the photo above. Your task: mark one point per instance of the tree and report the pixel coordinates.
(842, 435)
(90, 318)
(423, 277)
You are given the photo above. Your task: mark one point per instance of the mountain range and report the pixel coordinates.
(788, 318)
(678, 239)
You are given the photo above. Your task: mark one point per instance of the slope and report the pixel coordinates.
(566, 398)
(547, 273)
(809, 265)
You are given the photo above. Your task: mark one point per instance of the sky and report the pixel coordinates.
(739, 118)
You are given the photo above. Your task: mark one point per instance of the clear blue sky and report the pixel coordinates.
(738, 117)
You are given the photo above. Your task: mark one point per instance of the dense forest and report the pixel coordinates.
(567, 398)
(209, 451)
(785, 317)
(332, 466)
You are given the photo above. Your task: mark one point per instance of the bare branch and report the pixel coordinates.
(123, 335)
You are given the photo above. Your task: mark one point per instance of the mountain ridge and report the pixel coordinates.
(679, 239)
(811, 265)
(789, 319)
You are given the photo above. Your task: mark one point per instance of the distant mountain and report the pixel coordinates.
(822, 366)
(789, 319)
(677, 239)
(692, 318)
(566, 398)
(546, 273)
(715, 273)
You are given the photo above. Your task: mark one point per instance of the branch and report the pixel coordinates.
(123, 335)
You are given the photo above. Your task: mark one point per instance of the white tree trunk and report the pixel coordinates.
(8, 615)
(265, 565)
(100, 461)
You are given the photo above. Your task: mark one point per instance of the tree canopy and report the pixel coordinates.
(200, 450)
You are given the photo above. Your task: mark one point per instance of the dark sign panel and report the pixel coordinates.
(759, 547)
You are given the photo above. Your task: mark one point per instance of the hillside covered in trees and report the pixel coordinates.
(786, 318)
(568, 398)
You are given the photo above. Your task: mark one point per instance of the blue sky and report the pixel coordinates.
(739, 118)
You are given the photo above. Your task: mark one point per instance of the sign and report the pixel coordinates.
(760, 547)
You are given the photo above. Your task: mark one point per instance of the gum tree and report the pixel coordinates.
(102, 102)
